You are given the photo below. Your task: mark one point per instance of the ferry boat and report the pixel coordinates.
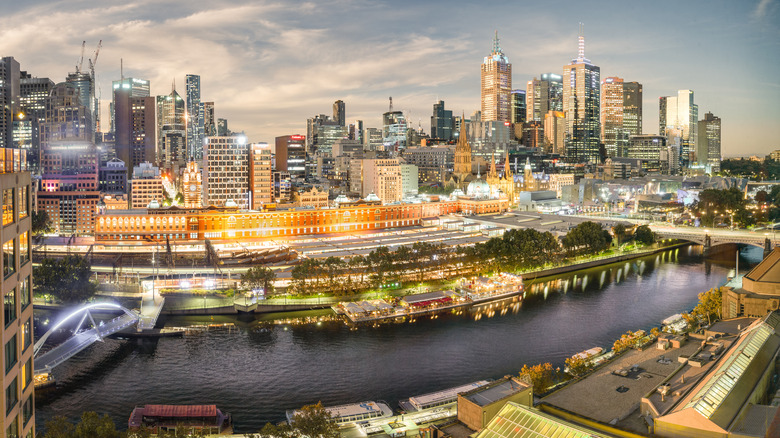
(590, 353)
(438, 398)
(351, 414)
(470, 292)
(205, 419)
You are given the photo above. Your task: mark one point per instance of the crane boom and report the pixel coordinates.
(93, 61)
(81, 59)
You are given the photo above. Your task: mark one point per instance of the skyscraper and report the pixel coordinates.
(134, 123)
(69, 163)
(581, 98)
(209, 120)
(678, 119)
(195, 125)
(290, 152)
(441, 122)
(339, 113)
(9, 99)
(261, 183)
(171, 131)
(496, 85)
(517, 105)
(32, 96)
(543, 95)
(708, 142)
(394, 127)
(226, 172)
(632, 108)
(612, 135)
(86, 86)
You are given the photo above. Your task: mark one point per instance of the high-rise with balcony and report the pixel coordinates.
(496, 85)
(17, 337)
(678, 118)
(195, 120)
(581, 105)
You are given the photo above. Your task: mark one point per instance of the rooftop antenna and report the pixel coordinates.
(581, 50)
(121, 69)
(391, 104)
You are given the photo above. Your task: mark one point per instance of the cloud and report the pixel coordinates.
(761, 8)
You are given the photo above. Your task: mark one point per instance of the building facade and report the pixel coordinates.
(195, 117)
(708, 148)
(171, 131)
(290, 155)
(226, 171)
(441, 122)
(496, 79)
(146, 186)
(613, 136)
(261, 183)
(581, 104)
(135, 123)
(678, 121)
(17, 328)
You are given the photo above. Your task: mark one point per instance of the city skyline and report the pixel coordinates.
(269, 67)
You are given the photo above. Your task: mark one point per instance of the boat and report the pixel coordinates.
(590, 353)
(351, 414)
(205, 419)
(438, 398)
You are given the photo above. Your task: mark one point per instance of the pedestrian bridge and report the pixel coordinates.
(714, 237)
(83, 335)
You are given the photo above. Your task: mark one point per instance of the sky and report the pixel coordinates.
(270, 64)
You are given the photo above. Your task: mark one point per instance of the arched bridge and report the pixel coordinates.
(83, 336)
(714, 237)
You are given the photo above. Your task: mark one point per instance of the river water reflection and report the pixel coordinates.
(256, 370)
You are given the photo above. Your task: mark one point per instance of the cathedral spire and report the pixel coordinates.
(493, 172)
(507, 168)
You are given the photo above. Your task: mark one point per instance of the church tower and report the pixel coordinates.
(528, 177)
(507, 183)
(192, 186)
(462, 158)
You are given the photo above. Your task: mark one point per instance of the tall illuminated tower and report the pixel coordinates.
(581, 95)
(708, 143)
(496, 85)
(612, 134)
(195, 121)
(678, 120)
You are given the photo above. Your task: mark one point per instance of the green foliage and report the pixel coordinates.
(259, 277)
(436, 190)
(91, 426)
(709, 307)
(643, 234)
(620, 232)
(586, 238)
(721, 206)
(311, 421)
(766, 169)
(41, 223)
(577, 365)
(67, 279)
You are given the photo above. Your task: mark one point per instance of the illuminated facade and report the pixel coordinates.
(613, 136)
(461, 172)
(505, 185)
(496, 85)
(195, 117)
(555, 132)
(194, 225)
(146, 186)
(382, 177)
(708, 139)
(678, 121)
(9, 96)
(261, 182)
(171, 121)
(17, 403)
(581, 80)
(290, 155)
(134, 120)
(632, 108)
(226, 171)
(192, 186)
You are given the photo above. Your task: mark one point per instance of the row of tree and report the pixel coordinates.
(726, 206)
(761, 170)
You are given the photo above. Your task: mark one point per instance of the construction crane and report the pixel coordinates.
(81, 59)
(93, 61)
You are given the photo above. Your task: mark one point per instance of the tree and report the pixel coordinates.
(577, 365)
(619, 230)
(541, 376)
(91, 425)
(259, 277)
(67, 279)
(40, 223)
(311, 421)
(586, 238)
(709, 305)
(643, 234)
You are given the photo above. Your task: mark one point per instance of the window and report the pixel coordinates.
(9, 256)
(11, 398)
(24, 200)
(25, 298)
(27, 410)
(27, 334)
(27, 374)
(9, 309)
(8, 206)
(24, 248)
(13, 428)
(10, 354)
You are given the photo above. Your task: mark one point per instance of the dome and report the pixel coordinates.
(372, 197)
(153, 204)
(231, 203)
(478, 188)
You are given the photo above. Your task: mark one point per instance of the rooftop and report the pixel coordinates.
(516, 421)
(494, 392)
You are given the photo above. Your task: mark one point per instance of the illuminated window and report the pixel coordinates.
(27, 374)
(24, 200)
(24, 248)
(27, 334)
(8, 206)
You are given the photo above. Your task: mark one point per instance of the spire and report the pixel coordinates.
(173, 86)
(496, 45)
(527, 163)
(493, 171)
(581, 48)
(463, 139)
(507, 168)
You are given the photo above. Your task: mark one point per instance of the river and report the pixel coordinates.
(256, 371)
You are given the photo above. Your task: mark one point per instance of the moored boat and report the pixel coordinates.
(350, 414)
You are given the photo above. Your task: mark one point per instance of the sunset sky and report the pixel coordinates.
(270, 65)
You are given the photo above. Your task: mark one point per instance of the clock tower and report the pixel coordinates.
(192, 186)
